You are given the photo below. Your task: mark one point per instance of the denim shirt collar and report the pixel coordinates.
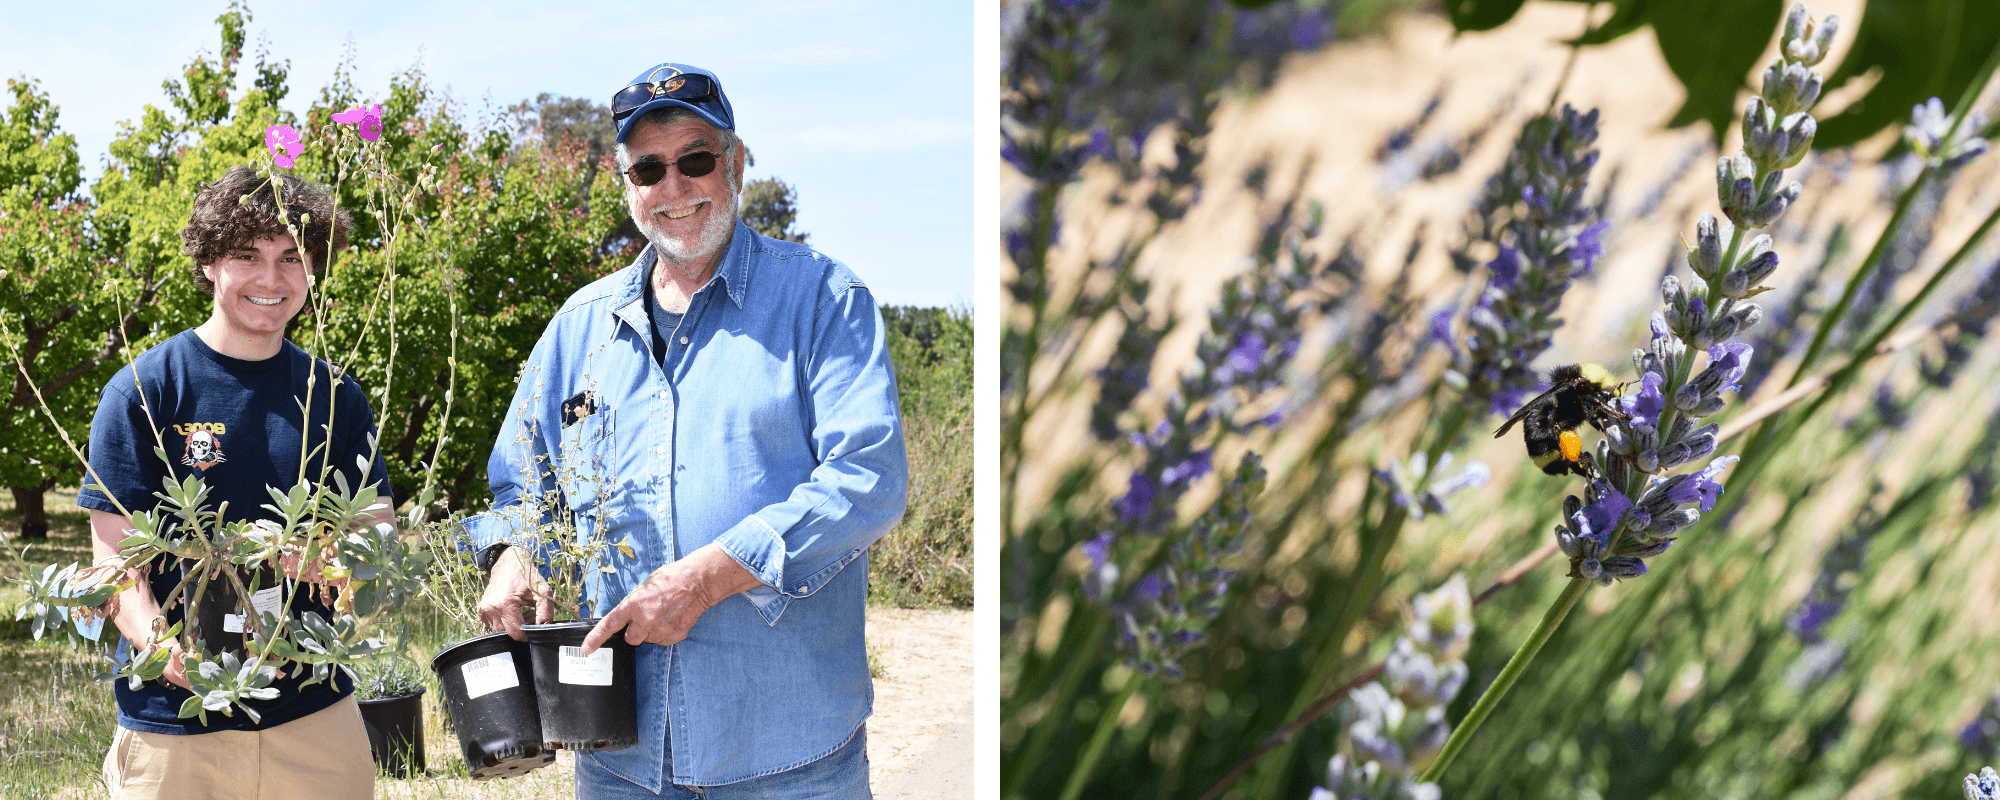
(732, 271)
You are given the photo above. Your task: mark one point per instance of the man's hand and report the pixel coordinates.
(514, 583)
(663, 608)
(176, 672)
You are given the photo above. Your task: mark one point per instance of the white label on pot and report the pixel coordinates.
(484, 676)
(268, 601)
(578, 669)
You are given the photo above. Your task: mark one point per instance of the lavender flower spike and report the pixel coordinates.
(1641, 507)
(1397, 725)
(1983, 786)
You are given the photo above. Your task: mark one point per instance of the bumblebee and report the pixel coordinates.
(1578, 393)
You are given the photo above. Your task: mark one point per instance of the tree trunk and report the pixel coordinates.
(34, 515)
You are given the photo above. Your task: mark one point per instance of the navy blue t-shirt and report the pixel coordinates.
(235, 424)
(664, 324)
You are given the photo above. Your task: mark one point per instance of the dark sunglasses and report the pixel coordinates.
(679, 87)
(650, 170)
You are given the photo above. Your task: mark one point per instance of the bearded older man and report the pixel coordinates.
(724, 407)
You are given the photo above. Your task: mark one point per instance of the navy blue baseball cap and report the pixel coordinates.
(692, 88)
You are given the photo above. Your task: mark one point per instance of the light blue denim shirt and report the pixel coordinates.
(771, 430)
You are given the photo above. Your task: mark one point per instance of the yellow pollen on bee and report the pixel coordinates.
(1572, 445)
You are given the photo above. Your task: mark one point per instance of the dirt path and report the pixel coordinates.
(920, 739)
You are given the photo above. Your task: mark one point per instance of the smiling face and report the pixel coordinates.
(688, 220)
(259, 287)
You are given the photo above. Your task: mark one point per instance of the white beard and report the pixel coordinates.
(714, 233)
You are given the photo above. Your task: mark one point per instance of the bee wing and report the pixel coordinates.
(1522, 413)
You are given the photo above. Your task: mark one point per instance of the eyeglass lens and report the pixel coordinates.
(694, 165)
(679, 87)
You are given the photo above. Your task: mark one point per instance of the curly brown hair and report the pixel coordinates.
(223, 221)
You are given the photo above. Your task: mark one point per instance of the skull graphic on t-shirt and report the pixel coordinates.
(203, 450)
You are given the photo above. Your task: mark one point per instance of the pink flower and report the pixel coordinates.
(283, 142)
(367, 120)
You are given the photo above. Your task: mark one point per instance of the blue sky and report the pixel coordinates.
(864, 105)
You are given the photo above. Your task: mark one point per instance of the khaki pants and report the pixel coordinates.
(323, 756)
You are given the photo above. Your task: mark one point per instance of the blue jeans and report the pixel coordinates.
(841, 775)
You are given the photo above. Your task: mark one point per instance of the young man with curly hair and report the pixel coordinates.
(223, 400)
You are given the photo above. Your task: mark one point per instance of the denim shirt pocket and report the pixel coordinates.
(584, 468)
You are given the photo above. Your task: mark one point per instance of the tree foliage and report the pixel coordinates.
(770, 207)
(52, 309)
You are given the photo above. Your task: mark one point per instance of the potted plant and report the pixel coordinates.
(588, 702)
(390, 690)
(486, 681)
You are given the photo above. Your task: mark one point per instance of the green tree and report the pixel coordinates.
(549, 118)
(53, 312)
(770, 207)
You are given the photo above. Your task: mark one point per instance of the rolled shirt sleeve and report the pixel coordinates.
(859, 489)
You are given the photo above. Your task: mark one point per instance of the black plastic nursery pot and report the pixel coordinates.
(587, 702)
(489, 695)
(396, 732)
(218, 623)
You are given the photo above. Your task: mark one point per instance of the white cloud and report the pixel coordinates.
(881, 135)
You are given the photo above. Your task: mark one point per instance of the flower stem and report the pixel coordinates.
(1834, 315)
(1100, 737)
(1066, 684)
(1508, 675)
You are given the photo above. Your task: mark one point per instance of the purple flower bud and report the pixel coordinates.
(1705, 484)
(1100, 144)
(1138, 499)
(1098, 549)
(1505, 267)
(1589, 246)
(1440, 329)
(1248, 354)
(1311, 30)
(1731, 359)
(1646, 406)
(1602, 517)
(1624, 567)
(1012, 155)
(1199, 463)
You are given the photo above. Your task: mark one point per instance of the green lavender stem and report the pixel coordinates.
(1508, 675)
(1066, 685)
(1100, 737)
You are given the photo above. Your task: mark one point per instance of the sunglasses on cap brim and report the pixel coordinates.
(650, 170)
(685, 87)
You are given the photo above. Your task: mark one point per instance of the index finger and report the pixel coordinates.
(611, 624)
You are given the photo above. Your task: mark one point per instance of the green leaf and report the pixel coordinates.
(1922, 49)
(1712, 45)
(1480, 15)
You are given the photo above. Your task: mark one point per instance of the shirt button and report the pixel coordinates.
(663, 395)
(661, 450)
(684, 340)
